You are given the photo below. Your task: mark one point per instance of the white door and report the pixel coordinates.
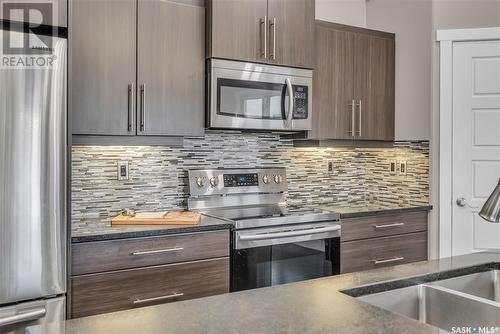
(476, 142)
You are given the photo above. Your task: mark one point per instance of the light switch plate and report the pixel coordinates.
(123, 170)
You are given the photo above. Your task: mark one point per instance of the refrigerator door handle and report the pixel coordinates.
(22, 317)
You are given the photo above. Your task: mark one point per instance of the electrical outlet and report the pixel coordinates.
(122, 170)
(402, 167)
(330, 167)
(393, 167)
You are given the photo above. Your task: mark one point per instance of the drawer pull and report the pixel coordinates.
(389, 225)
(392, 259)
(157, 251)
(155, 299)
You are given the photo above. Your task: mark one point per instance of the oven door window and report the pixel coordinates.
(285, 263)
(251, 99)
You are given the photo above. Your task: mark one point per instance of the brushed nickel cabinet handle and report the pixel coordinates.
(389, 225)
(392, 259)
(360, 113)
(143, 107)
(155, 299)
(353, 118)
(157, 251)
(272, 24)
(263, 39)
(130, 106)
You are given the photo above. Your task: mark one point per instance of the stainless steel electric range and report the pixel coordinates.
(271, 242)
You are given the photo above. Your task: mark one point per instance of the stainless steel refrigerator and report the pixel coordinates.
(33, 192)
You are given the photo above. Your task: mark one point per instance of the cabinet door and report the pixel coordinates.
(237, 29)
(170, 69)
(333, 84)
(374, 87)
(291, 32)
(130, 288)
(375, 253)
(103, 66)
(382, 89)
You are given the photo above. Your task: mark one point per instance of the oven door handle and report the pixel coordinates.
(275, 235)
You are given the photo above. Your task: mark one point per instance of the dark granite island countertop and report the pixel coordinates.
(95, 230)
(315, 306)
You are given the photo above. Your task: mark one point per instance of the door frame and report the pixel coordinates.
(446, 38)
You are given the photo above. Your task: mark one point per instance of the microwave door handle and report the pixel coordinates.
(289, 115)
(298, 233)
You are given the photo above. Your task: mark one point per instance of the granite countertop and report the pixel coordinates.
(363, 210)
(94, 230)
(315, 306)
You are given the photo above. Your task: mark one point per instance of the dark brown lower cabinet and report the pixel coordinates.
(124, 289)
(102, 256)
(384, 240)
(381, 252)
(121, 274)
(384, 225)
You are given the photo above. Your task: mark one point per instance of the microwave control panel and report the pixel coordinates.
(301, 98)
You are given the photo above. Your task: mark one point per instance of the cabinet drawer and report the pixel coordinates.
(381, 252)
(382, 226)
(94, 257)
(125, 289)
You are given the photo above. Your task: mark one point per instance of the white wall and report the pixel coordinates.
(417, 61)
(351, 12)
(411, 21)
(448, 14)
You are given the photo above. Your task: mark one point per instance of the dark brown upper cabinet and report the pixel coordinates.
(291, 36)
(333, 87)
(102, 67)
(236, 29)
(279, 32)
(171, 68)
(137, 68)
(354, 83)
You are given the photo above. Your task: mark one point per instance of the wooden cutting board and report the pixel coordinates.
(158, 218)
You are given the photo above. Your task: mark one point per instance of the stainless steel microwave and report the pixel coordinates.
(258, 96)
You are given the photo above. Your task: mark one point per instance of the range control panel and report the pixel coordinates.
(237, 181)
(241, 180)
(301, 98)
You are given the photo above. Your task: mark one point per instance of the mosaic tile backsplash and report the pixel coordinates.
(158, 174)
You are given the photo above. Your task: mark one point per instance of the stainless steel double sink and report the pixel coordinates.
(470, 301)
